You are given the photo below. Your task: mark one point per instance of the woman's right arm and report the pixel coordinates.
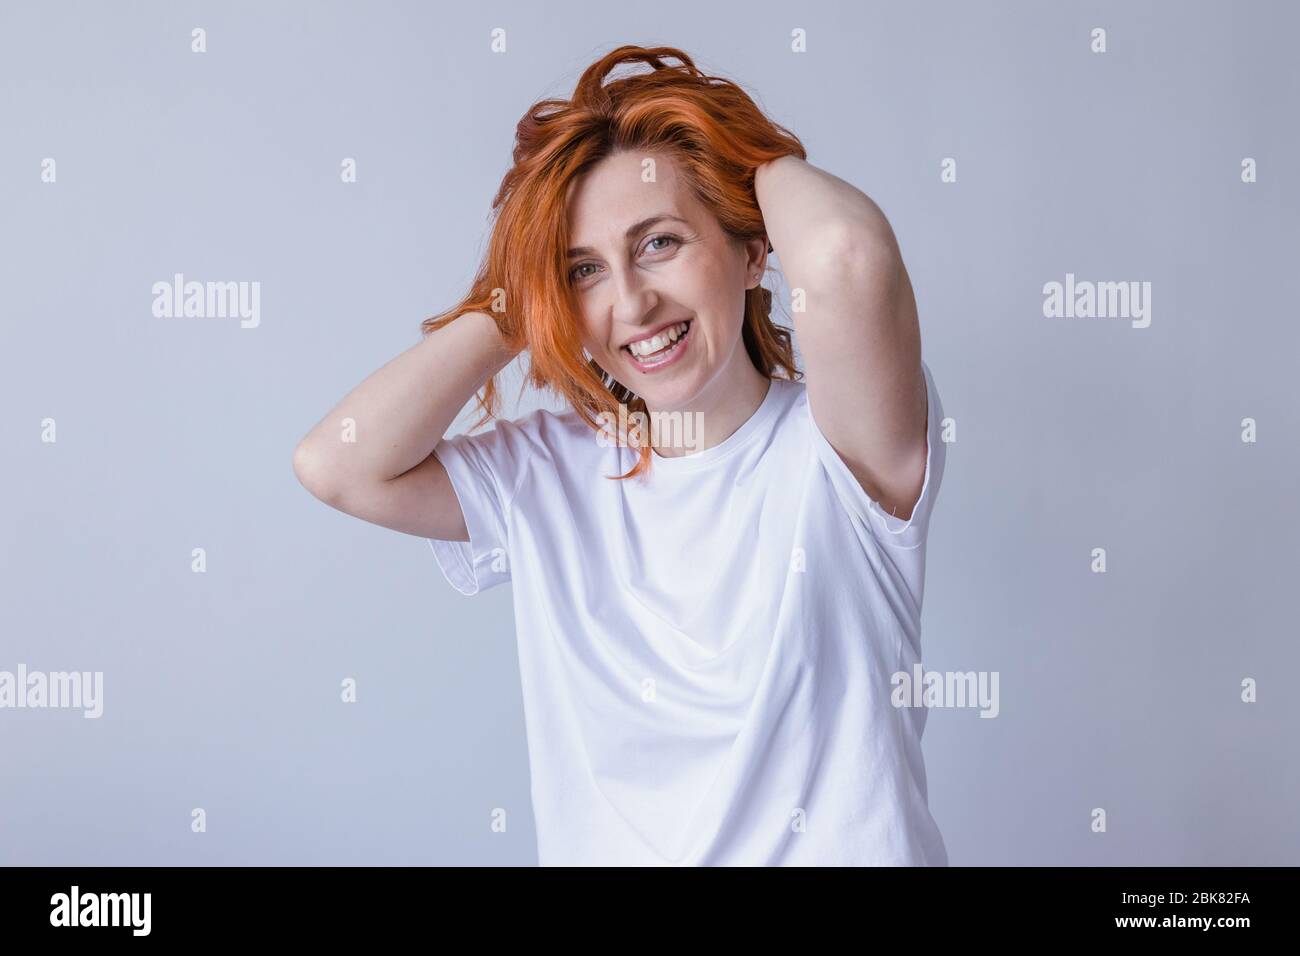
(387, 474)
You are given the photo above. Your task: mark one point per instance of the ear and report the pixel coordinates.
(756, 251)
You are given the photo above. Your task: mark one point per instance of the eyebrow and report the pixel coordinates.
(632, 230)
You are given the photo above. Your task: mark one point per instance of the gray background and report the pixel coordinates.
(222, 689)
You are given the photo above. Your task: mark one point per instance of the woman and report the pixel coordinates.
(708, 618)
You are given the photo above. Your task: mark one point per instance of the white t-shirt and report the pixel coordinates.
(706, 657)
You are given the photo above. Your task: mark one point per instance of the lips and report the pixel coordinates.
(661, 338)
(662, 348)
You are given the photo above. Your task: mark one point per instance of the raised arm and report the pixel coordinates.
(859, 335)
(387, 474)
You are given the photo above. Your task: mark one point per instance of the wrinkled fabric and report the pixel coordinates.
(706, 656)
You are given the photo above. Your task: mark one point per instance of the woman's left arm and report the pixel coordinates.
(858, 332)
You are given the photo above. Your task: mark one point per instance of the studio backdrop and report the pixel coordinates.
(1097, 205)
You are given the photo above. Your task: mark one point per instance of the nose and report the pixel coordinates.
(634, 297)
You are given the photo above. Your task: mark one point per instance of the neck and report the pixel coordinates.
(725, 404)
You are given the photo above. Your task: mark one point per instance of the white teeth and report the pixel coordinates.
(658, 342)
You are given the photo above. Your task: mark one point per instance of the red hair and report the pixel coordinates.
(718, 137)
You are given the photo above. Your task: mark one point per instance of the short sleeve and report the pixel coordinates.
(888, 529)
(485, 471)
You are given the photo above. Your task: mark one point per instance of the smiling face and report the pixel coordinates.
(651, 267)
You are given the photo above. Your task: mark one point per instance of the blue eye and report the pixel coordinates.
(672, 240)
(657, 238)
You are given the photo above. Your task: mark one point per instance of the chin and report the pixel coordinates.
(669, 395)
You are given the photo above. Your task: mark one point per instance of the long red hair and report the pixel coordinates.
(718, 137)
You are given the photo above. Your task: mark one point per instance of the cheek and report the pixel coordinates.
(722, 300)
(594, 337)
(602, 340)
(722, 282)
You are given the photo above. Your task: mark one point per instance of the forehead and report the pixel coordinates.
(623, 188)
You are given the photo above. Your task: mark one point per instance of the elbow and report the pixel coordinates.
(872, 247)
(856, 253)
(314, 473)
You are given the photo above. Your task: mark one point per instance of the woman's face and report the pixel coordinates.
(651, 267)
